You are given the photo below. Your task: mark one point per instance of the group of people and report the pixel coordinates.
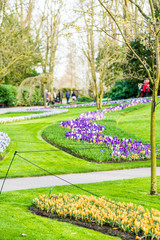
(74, 96)
(144, 88)
(57, 97)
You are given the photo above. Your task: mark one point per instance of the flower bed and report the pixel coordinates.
(136, 100)
(126, 216)
(4, 142)
(37, 115)
(82, 129)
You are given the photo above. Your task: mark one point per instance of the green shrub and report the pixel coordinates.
(29, 97)
(85, 99)
(8, 95)
(124, 89)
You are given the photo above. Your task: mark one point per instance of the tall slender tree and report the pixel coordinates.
(152, 22)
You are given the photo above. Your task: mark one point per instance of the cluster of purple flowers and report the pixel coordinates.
(93, 116)
(4, 141)
(134, 101)
(82, 129)
(126, 148)
(123, 106)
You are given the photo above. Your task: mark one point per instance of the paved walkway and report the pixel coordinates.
(12, 184)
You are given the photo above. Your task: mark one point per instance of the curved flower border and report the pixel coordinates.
(82, 129)
(106, 103)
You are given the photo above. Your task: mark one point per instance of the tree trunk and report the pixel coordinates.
(136, 21)
(95, 92)
(100, 93)
(44, 93)
(153, 117)
(153, 142)
(100, 102)
(125, 16)
(153, 120)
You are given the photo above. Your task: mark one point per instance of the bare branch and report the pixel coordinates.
(140, 10)
(127, 43)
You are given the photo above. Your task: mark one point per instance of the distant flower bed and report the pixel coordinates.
(36, 115)
(4, 141)
(136, 100)
(126, 216)
(82, 129)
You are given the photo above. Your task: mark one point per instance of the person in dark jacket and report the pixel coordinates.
(68, 96)
(60, 96)
(73, 96)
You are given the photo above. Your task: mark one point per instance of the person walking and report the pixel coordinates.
(140, 86)
(60, 95)
(145, 88)
(67, 96)
(73, 96)
(49, 98)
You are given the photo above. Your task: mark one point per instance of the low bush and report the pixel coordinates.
(105, 95)
(8, 95)
(124, 89)
(85, 99)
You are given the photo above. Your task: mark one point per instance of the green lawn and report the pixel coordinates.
(15, 218)
(138, 123)
(17, 114)
(26, 136)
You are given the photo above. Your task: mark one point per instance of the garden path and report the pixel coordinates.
(12, 184)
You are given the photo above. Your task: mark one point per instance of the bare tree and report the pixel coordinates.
(90, 50)
(51, 30)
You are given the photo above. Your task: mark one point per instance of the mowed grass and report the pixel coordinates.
(138, 123)
(16, 219)
(17, 114)
(26, 137)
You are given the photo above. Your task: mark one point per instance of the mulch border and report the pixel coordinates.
(105, 229)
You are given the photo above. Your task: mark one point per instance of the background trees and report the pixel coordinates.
(19, 52)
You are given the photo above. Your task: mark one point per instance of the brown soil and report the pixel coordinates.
(106, 229)
(85, 158)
